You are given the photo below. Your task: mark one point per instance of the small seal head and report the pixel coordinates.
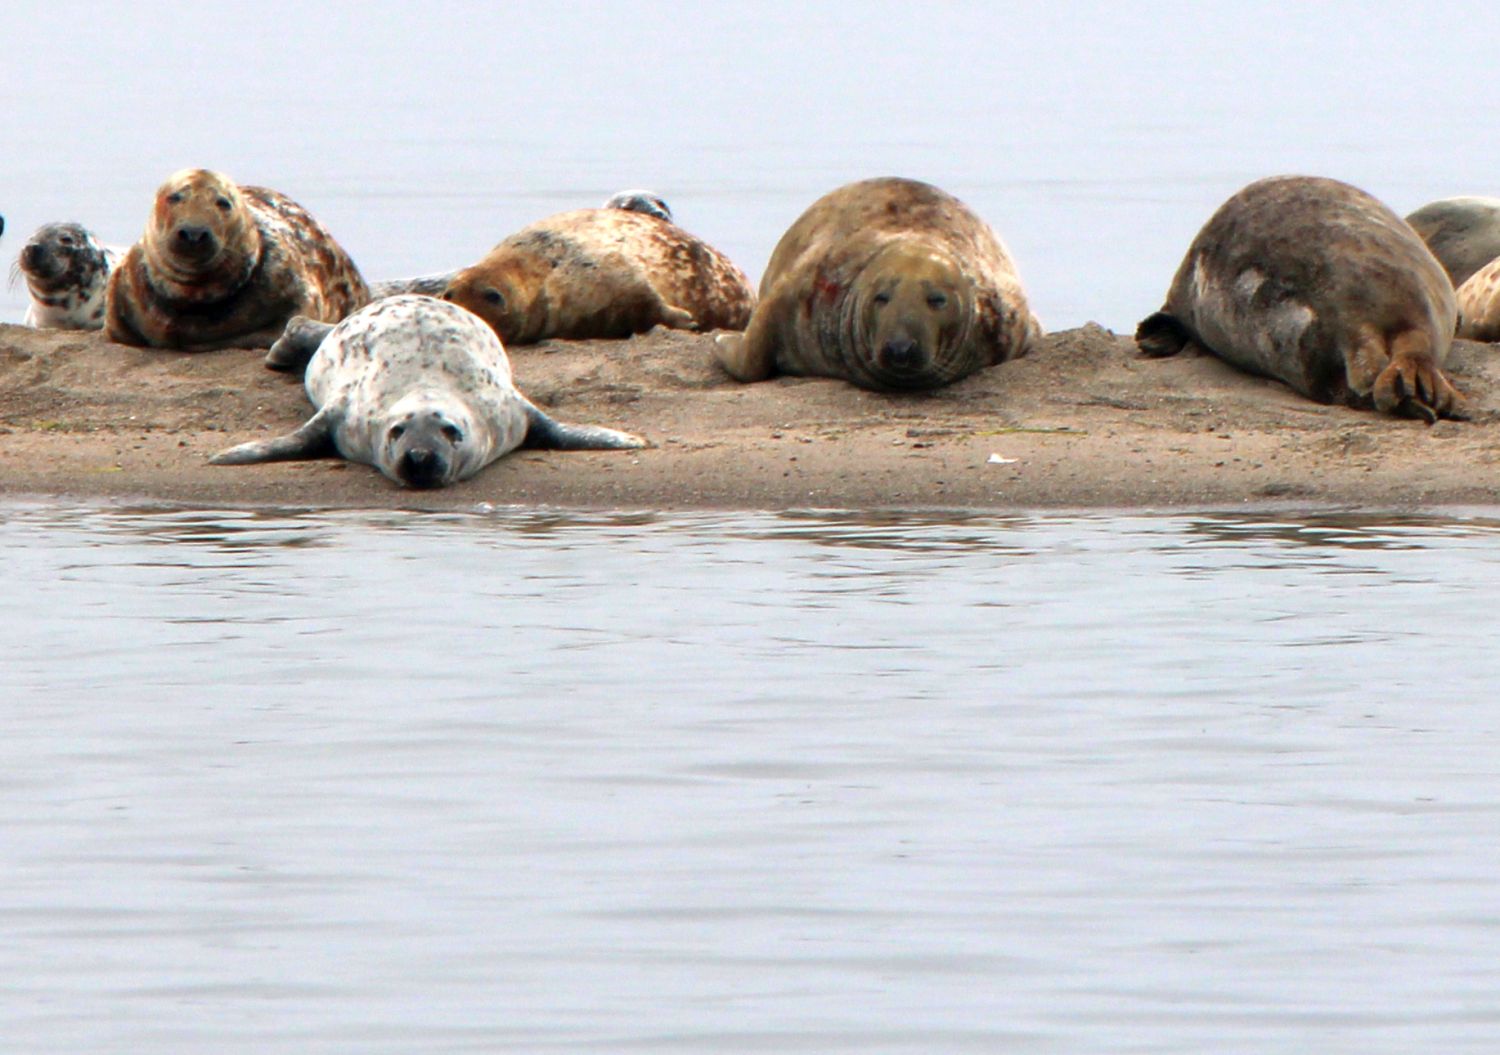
(643, 201)
(67, 272)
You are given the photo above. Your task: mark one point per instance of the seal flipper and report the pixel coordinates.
(543, 433)
(1160, 335)
(313, 440)
(297, 344)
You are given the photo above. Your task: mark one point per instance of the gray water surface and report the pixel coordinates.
(522, 781)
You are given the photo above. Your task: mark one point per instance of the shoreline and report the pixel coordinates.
(1083, 424)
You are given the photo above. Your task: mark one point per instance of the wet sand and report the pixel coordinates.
(1083, 422)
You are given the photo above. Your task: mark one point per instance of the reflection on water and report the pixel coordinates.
(529, 781)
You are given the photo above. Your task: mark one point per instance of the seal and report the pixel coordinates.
(642, 201)
(1463, 233)
(421, 389)
(889, 283)
(1317, 284)
(225, 266)
(1479, 304)
(66, 272)
(602, 273)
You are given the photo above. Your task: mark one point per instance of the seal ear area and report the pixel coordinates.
(1160, 335)
(313, 440)
(547, 434)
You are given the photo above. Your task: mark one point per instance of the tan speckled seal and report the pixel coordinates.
(890, 284)
(225, 266)
(1315, 283)
(604, 272)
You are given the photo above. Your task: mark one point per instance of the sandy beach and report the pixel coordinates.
(1082, 422)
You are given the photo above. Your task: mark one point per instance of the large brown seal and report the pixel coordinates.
(1463, 233)
(225, 266)
(1315, 283)
(890, 284)
(607, 272)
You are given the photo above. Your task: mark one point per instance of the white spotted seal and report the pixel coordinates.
(225, 266)
(66, 271)
(1463, 233)
(1315, 283)
(890, 283)
(421, 389)
(602, 273)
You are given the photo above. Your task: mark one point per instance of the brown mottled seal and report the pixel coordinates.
(1463, 233)
(225, 266)
(1317, 284)
(1479, 304)
(421, 390)
(888, 283)
(67, 271)
(607, 272)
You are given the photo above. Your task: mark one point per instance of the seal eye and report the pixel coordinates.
(397, 431)
(224, 204)
(492, 296)
(936, 300)
(453, 433)
(175, 198)
(882, 299)
(66, 239)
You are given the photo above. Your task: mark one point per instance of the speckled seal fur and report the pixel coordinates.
(891, 284)
(66, 272)
(422, 390)
(1463, 233)
(225, 266)
(602, 273)
(1315, 283)
(1479, 304)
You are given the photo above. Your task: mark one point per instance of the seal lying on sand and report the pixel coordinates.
(420, 389)
(1317, 284)
(602, 273)
(66, 272)
(890, 284)
(1463, 233)
(224, 266)
(1479, 304)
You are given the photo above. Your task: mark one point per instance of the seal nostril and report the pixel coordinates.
(899, 352)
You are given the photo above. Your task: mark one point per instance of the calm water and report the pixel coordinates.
(404, 783)
(1096, 136)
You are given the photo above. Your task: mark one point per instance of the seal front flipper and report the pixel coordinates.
(1160, 335)
(313, 440)
(297, 343)
(544, 433)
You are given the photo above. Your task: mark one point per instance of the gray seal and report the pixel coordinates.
(67, 272)
(421, 389)
(1315, 283)
(1463, 233)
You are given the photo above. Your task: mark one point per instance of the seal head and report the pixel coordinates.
(67, 272)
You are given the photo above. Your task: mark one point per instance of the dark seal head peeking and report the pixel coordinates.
(225, 266)
(1319, 285)
(892, 284)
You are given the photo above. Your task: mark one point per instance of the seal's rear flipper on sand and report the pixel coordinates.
(543, 433)
(313, 440)
(1161, 335)
(294, 349)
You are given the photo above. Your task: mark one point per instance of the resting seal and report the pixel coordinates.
(66, 272)
(420, 389)
(888, 283)
(642, 201)
(225, 266)
(1317, 284)
(1463, 233)
(602, 273)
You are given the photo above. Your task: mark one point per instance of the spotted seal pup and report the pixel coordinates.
(891, 284)
(225, 266)
(66, 271)
(1317, 284)
(421, 389)
(1463, 233)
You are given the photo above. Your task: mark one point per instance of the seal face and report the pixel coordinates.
(66, 272)
(1463, 233)
(889, 283)
(421, 389)
(1315, 283)
(225, 266)
(602, 273)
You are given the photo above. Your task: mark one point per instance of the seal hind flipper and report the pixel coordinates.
(313, 440)
(1160, 335)
(295, 347)
(544, 433)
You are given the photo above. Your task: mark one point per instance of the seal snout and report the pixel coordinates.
(422, 467)
(902, 355)
(38, 261)
(194, 239)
